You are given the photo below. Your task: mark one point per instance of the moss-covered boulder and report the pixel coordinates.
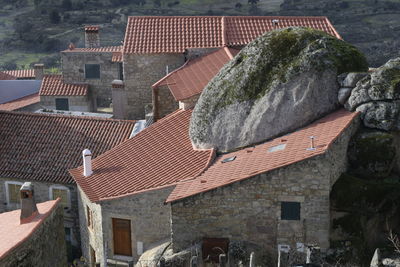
(279, 82)
(377, 97)
(372, 154)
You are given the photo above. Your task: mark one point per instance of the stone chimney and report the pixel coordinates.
(39, 71)
(119, 99)
(87, 163)
(28, 204)
(92, 38)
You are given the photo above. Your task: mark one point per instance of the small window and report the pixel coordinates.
(121, 71)
(277, 148)
(14, 196)
(228, 159)
(290, 211)
(61, 192)
(92, 71)
(62, 104)
(89, 215)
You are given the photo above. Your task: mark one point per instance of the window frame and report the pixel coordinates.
(92, 78)
(61, 187)
(89, 218)
(298, 218)
(7, 183)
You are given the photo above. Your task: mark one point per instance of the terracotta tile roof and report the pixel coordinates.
(105, 49)
(158, 156)
(21, 102)
(13, 234)
(256, 160)
(53, 85)
(44, 147)
(92, 28)
(152, 34)
(5, 76)
(194, 75)
(242, 30)
(116, 57)
(21, 74)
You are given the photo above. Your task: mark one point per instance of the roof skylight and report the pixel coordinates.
(228, 159)
(277, 148)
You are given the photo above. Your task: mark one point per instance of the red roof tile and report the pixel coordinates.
(158, 156)
(256, 160)
(243, 30)
(21, 74)
(152, 34)
(21, 102)
(5, 76)
(105, 49)
(194, 75)
(53, 85)
(13, 234)
(44, 147)
(92, 28)
(116, 57)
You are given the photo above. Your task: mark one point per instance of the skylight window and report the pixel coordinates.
(277, 148)
(228, 159)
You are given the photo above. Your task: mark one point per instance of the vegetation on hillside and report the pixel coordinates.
(36, 30)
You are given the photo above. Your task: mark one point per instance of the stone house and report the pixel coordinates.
(155, 46)
(40, 148)
(33, 235)
(121, 203)
(182, 87)
(57, 95)
(94, 66)
(271, 195)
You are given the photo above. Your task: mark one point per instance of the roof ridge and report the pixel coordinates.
(56, 115)
(223, 31)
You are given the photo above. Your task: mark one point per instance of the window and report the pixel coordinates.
(92, 71)
(12, 192)
(290, 211)
(121, 71)
(89, 215)
(62, 104)
(61, 192)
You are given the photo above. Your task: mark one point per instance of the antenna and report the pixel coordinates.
(312, 148)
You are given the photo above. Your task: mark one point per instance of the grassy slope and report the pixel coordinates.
(371, 25)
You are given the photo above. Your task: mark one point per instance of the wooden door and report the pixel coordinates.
(122, 237)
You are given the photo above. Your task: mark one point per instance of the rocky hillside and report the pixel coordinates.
(35, 30)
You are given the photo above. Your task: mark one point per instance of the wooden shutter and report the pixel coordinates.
(122, 237)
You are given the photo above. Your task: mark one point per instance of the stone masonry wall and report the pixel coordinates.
(140, 73)
(76, 103)
(73, 69)
(45, 247)
(250, 210)
(149, 216)
(90, 237)
(166, 102)
(41, 195)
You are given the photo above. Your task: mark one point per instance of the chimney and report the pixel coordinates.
(92, 38)
(119, 99)
(87, 162)
(39, 71)
(28, 204)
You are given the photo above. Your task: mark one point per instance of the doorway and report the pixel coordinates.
(122, 237)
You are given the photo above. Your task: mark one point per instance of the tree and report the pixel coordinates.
(253, 2)
(66, 4)
(54, 16)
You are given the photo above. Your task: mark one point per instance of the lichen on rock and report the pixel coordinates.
(281, 81)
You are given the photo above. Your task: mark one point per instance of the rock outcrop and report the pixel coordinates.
(281, 81)
(372, 154)
(377, 97)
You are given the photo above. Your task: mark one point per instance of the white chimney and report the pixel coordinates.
(87, 162)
